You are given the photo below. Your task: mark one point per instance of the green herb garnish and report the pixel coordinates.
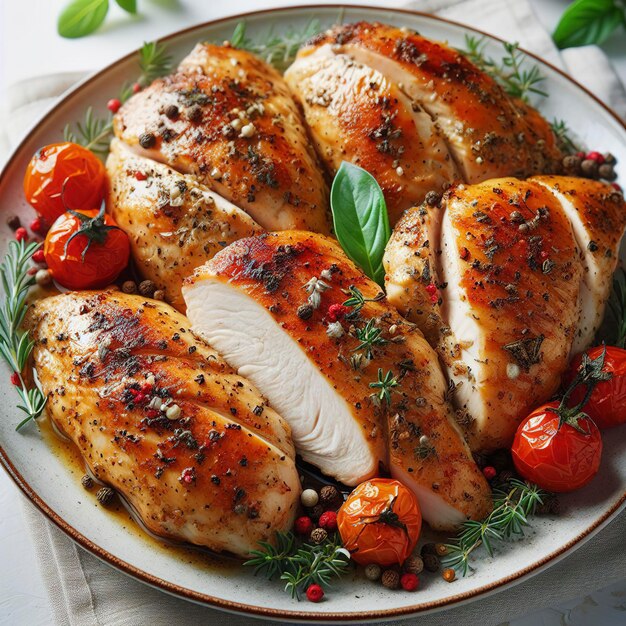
(511, 73)
(386, 383)
(95, 133)
(360, 219)
(15, 344)
(300, 565)
(357, 300)
(277, 50)
(562, 133)
(587, 22)
(513, 505)
(369, 337)
(82, 17)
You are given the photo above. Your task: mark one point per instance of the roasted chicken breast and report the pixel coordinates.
(174, 223)
(228, 118)
(499, 277)
(355, 113)
(395, 71)
(159, 416)
(272, 305)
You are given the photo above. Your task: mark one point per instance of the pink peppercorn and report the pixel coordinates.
(328, 521)
(337, 311)
(15, 379)
(21, 233)
(409, 581)
(489, 472)
(314, 593)
(114, 105)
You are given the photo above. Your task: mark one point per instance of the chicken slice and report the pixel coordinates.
(227, 117)
(158, 415)
(356, 114)
(598, 216)
(173, 222)
(508, 272)
(488, 134)
(250, 301)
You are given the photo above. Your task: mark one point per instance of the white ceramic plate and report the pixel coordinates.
(48, 481)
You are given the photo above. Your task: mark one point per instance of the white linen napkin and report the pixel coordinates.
(84, 591)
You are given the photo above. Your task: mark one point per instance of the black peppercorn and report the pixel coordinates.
(590, 168)
(316, 512)
(428, 548)
(607, 172)
(147, 140)
(610, 159)
(571, 164)
(86, 481)
(147, 288)
(330, 497)
(13, 222)
(305, 311)
(431, 562)
(194, 113)
(171, 111)
(129, 286)
(105, 496)
(318, 536)
(433, 198)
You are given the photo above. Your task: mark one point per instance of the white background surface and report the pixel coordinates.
(29, 46)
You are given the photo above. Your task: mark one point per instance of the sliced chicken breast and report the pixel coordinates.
(487, 133)
(508, 269)
(158, 415)
(173, 222)
(597, 213)
(356, 114)
(272, 305)
(227, 117)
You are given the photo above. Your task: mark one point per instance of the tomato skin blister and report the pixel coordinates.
(363, 532)
(558, 458)
(64, 176)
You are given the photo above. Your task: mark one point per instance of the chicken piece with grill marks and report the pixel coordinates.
(355, 113)
(272, 305)
(488, 133)
(159, 416)
(227, 117)
(174, 223)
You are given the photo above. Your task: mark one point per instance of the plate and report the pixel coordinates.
(54, 487)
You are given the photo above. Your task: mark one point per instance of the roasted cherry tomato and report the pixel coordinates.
(607, 404)
(555, 455)
(380, 522)
(64, 176)
(86, 249)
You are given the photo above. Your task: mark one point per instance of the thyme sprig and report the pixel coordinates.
(15, 344)
(300, 565)
(94, 133)
(512, 72)
(564, 141)
(277, 50)
(513, 506)
(369, 337)
(357, 300)
(385, 383)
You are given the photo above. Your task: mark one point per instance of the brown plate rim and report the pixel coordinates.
(239, 607)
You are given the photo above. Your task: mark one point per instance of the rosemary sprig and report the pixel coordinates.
(564, 141)
(513, 505)
(386, 384)
(511, 73)
(95, 133)
(300, 565)
(277, 50)
(369, 336)
(15, 344)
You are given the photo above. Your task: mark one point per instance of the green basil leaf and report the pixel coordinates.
(587, 22)
(82, 17)
(360, 219)
(130, 6)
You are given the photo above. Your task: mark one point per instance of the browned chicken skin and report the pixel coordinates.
(247, 301)
(500, 278)
(227, 117)
(159, 416)
(174, 223)
(486, 132)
